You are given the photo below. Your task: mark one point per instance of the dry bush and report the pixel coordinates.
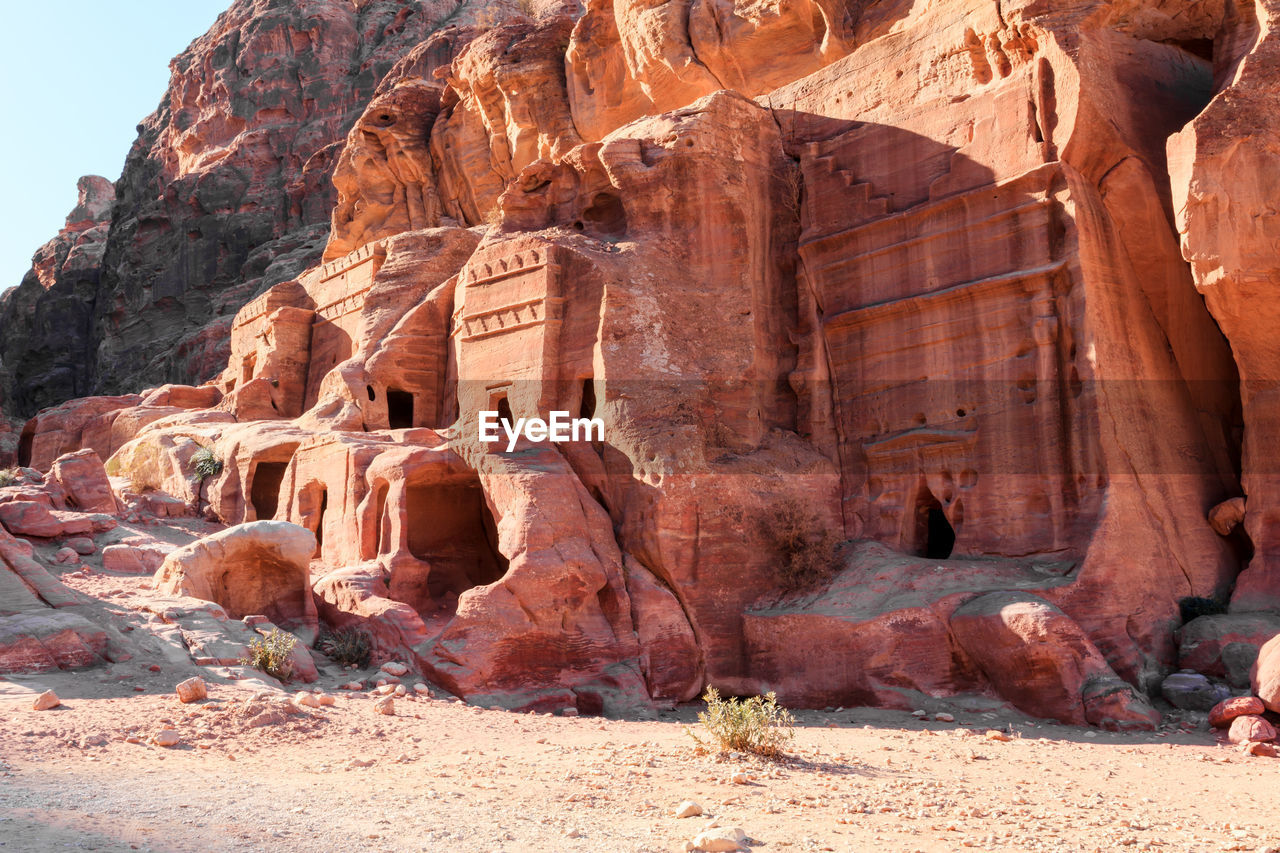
(347, 646)
(205, 463)
(807, 549)
(758, 725)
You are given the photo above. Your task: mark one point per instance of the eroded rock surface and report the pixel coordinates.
(890, 315)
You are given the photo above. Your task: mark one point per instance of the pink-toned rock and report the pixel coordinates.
(83, 478)
(1249, 727)
(1266, 675)
(1258, 748)
(31, 518)
(135, 559)
(1229, 709)
(82, 545)
(1226, 645)
(385, 705)
(192, 690)
(46, 701)
(166, 738)
(1040, 660)
(256, 568)
(66, 555)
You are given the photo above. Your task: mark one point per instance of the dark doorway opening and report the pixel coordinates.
(264, 489)
(25, 444)
(451, 531)
(588, 408)
(379, 525)
(324, 504)
(940, 537)
(504, 412)
(399, 409)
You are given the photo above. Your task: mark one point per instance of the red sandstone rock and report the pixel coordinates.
(1249, 728)
(922, 291)
(1228, 709)
(1266, 674)
(1226, 645)
(83, 478)
(1041, 661)
(255, 568)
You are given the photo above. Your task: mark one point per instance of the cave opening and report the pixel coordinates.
(504, 411)
(399, 409)
(319, 531)
(247, 367)
(935, 537)
(940, 538)
(264, 488)
(451, 531)
(379, 524)
(588, 407)
(25, 444)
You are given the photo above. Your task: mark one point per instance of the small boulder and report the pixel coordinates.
(192, 690)
(82, 545)
(394, 668)
(307, 700)
(720, 840)
(1224, 712)
(84, 479)
(46, 701)
(1192, 691)
(66, 556)
(1250, 728)
(166, 738)
(1263, 750)
(385, 705)
(688, 809)
(1266, 674)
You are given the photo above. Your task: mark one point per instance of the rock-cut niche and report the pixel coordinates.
(935, 537)
(454, 540)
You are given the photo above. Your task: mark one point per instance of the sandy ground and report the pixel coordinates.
(259, 774)
(445, 776)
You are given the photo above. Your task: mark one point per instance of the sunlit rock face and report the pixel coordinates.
(898, 340)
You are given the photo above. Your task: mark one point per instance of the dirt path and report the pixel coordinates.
(442, 776)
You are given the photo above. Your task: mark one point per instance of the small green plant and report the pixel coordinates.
(205, 463)
(347, 646)
(807, 550)
(10, 477)
(758, 725)
(272, 654)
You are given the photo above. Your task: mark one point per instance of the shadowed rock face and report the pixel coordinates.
(914, 281)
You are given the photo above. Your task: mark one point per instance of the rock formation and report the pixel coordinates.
(906, 385)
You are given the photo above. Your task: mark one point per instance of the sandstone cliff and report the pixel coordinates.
(226, 191)
(905, 379)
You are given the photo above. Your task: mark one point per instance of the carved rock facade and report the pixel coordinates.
(916, 284)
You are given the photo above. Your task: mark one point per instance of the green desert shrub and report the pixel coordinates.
(205, 463)
(9, 477)
(272, 654)
(758, 724)
(347, 646)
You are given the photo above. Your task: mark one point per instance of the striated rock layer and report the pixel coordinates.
(906, 387)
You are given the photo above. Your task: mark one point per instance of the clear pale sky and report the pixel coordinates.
(78, 76)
